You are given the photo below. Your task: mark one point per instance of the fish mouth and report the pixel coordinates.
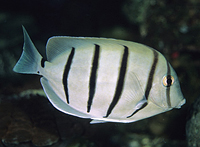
(181, 103)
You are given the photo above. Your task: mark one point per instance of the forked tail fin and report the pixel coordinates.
(30, 59)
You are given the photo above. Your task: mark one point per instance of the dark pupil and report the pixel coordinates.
(169, 81)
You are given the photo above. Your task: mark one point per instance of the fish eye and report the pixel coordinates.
(168, 80)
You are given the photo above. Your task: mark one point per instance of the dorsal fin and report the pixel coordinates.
(59, 44)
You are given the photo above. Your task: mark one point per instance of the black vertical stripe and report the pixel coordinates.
(149, 81)
(168, 87)
(151, 74)
(120, 82)
(93, 77)
(66, 73)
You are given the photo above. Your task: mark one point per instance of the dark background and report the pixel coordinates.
(171, 27)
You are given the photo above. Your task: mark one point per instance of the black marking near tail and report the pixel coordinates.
(66, 73)
(42, 62)
(149, 82)
(93, 77)
(168, 87)
(120, 82)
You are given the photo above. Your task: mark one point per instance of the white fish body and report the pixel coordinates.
(103, 79)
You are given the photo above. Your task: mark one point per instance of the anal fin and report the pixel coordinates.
(58, 103)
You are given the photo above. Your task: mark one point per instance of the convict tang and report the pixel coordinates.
(103, 79)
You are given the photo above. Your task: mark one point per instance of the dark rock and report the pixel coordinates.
(193, 125)
(44, 137)
(19, 128)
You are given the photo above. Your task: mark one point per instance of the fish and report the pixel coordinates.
(103, 79)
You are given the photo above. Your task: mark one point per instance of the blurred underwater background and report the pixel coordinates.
(28, 119)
